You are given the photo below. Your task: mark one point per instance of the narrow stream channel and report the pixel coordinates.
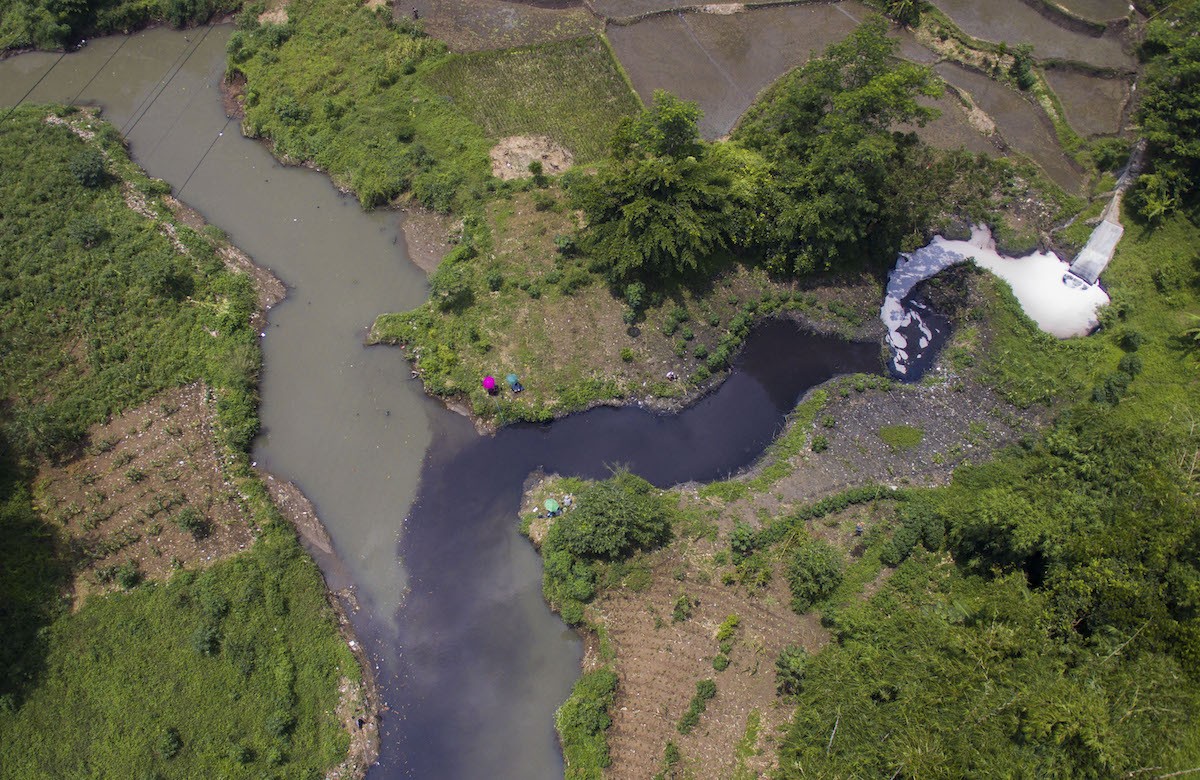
(471, 662)
(341, 420)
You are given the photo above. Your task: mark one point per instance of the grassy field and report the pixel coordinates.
(554, 323)
(232, 671)
(571, 91)
(385, 110)
(338, 85)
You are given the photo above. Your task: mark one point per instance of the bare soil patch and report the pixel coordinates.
(511, 156)
(428, 236)
(659, 659)
(659, 662)
(122, 500)
(277, 12)
(959, 420)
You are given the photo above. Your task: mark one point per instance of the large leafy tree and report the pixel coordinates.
(826, 129)
(1170, 113)
(664, 202)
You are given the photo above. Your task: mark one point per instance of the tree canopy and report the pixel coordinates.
(826, 130)
(1168, 113)
(664, 203)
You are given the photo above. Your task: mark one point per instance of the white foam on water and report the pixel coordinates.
(1059, 308)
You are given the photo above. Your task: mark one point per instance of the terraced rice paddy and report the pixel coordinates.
(1020, 123)
(723, 61)
(1014, 23)
(952, 129)
(1097, 10)
(476, 25)
(1093, 105)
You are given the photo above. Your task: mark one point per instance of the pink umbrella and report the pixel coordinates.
(489, 383)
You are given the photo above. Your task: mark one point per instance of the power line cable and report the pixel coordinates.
(220, 67)
(100, 69)
(154, 96)
(31, 89)
(204, 156)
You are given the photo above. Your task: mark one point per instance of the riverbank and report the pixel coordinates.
(180, 563)
(896, 485)
(359, 703)
(515, 296)
(663, 620)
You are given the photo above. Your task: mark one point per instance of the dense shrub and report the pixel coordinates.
(613, 518)
(609, 521)
(814, 573)
(790, 668)
(705, 690)
(582, 722)
(87, 166)
(741, 541)
(920, 523)
(189, 519)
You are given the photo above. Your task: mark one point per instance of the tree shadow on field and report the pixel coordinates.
(32, 578)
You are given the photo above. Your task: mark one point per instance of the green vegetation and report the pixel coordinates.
(790, 669)
(609, 521)
(994, 687)
(814, 573)
(746, 747)
(1167, 112)
(386, 110)
(901, 437)
(582, 722)
(725, 635)
(1070, 566)
(705, 691)
(666, 203)
(114, 319)
(339, 85)
(843, 178)
(233, 671)
(47, 24)
(571, 91)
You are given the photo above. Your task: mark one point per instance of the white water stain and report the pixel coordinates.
(1059, 307)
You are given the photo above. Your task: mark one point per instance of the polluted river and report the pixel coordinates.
(422, 511)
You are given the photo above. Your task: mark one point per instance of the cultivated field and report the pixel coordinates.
(571, 91)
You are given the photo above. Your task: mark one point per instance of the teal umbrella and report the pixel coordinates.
(551, 505)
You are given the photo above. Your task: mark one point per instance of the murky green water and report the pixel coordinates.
(1093, 105)
(343, 421)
